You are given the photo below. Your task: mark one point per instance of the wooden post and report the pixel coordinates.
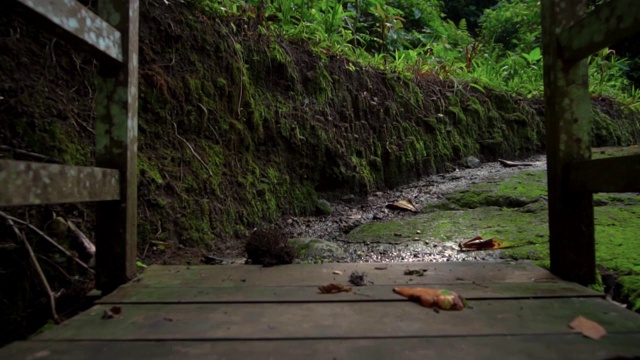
(116, 148)
(568, 125)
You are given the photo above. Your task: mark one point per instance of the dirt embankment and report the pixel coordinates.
(274, 122)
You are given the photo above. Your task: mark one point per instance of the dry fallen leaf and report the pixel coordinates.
(402, 205)
(111, 313)
(333, 288)
(588, 328)
(478, 243)
(336, 272)
(432, 298)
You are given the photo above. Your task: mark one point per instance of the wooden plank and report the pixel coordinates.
(609, 23)
(568, 128)
(529, 347)
(339, 320)
(73, 23)
(254, 294)
(33, 183)
(317, 274)
(615, 174)
(117, 147)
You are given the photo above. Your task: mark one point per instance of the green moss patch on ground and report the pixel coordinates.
(488, 210)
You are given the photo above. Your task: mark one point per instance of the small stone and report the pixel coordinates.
(379, 193)
(418, 232)
(290, 221)
(416, 239)
(324, 207)
(472, 162)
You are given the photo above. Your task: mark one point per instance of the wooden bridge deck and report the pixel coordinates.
(519, 311)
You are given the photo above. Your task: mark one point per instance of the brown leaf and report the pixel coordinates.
(333, 288)
(588, 328)
(402, 205)
(432, 298)
(478, 243)
(111, 313)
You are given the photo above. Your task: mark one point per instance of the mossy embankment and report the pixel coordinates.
(272, 122)
(513, 208)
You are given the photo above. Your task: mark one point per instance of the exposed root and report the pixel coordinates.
(192, 150)
(28, 153)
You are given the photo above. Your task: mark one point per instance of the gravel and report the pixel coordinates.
(351, 211)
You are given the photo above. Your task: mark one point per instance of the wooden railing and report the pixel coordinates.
(570, 35)
(112, 38)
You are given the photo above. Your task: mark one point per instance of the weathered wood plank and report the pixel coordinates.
(75, 24)
(117, 147)
(254, 294)
(568, 128)
(33, 183)
(339, 320)
(609, 23)
(615, 174)
(318, 274)
(529, 347)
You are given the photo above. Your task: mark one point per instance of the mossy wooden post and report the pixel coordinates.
(568, 126)
(116, 148)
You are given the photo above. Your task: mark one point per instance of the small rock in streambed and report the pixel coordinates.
(324, 207)
(472, 162)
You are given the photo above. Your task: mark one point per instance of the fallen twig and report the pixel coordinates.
(36, 265)
(55, 244)
(28, 153)
(84, 241)
(507, 163)
(192, 150)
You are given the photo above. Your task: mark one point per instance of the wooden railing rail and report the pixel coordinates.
(570, 35)
(111, 36)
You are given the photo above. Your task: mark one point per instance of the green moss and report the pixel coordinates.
(630, 289)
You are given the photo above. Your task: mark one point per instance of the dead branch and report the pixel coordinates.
(507, 163)
(84, 241)
(36, 265)
(28, 153)
(50, 240)
(192, 150)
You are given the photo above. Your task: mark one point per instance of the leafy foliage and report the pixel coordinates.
(414, 37)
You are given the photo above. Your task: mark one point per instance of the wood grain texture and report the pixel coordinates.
(318, 274)
(530, 347)
(339, 320)
(255, 294)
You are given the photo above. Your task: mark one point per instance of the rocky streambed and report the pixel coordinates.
(365, 230)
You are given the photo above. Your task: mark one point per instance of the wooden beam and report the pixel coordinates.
(116, 147)
(615, 174)
(568, 127)
(33, 183)
(608, 24)
(74, 23)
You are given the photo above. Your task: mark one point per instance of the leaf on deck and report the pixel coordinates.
(432, 298)
(333, 288)
(588, 328)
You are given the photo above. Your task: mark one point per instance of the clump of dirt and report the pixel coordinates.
(269, 247)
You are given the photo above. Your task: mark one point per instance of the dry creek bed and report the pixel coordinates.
(351, 212)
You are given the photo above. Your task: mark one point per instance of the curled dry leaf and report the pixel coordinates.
(478, 243)
(432, 298)
(111, 313)
(402, 205)
(333, 288)
(417, 272)
(588, 328)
